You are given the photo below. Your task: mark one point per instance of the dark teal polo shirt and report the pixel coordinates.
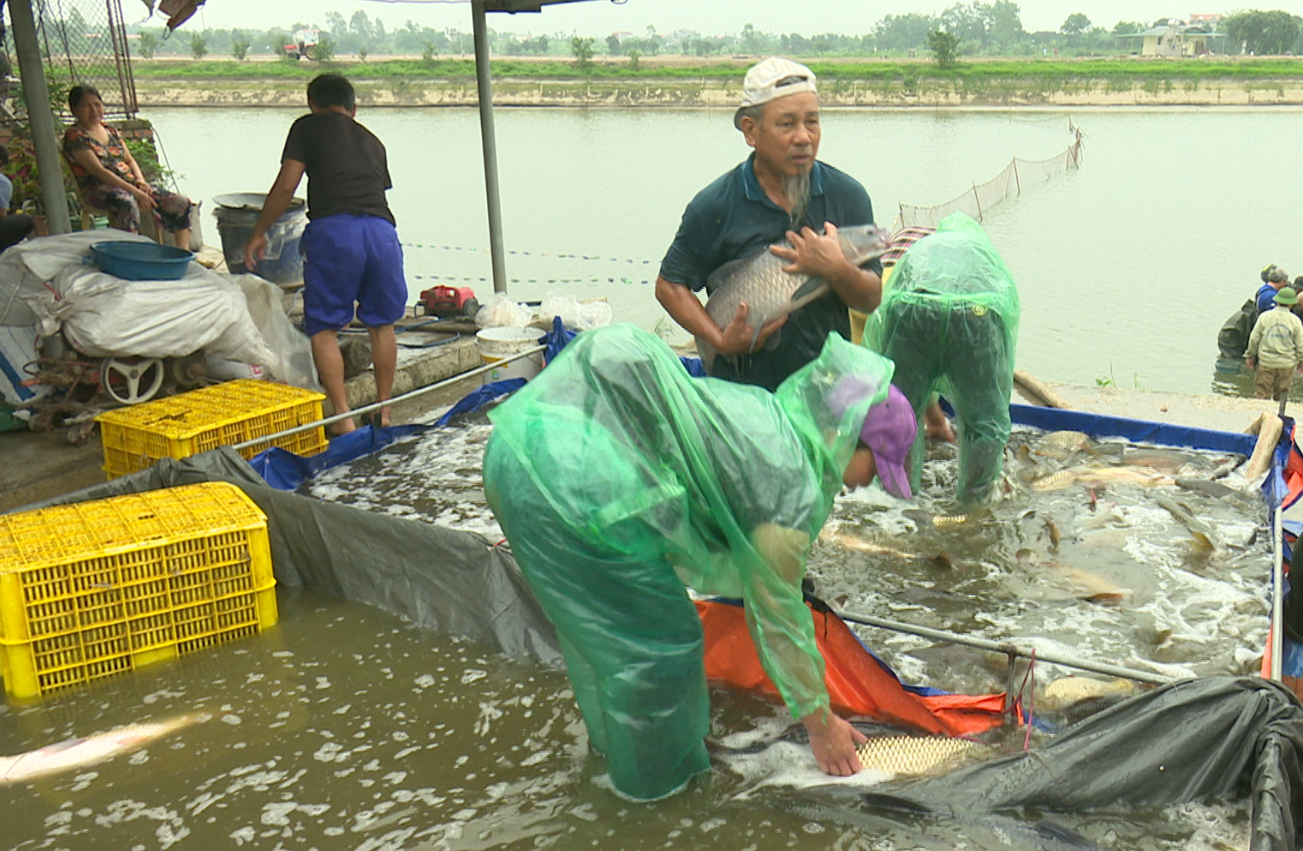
(733, 217)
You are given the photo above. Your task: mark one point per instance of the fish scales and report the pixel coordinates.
(916, 755)
(770, 293)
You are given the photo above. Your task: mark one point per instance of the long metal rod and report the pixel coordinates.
(1277, 580)
(36, 93)
(375, 406)
(1005, 648)
(484, 80)
(1277, 598)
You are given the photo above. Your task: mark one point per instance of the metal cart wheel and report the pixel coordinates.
(131, 381)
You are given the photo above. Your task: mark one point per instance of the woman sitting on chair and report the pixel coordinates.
(108, 176)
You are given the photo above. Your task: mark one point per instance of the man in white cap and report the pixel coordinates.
(780, 191)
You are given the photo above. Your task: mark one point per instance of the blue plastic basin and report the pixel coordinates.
(141, 261)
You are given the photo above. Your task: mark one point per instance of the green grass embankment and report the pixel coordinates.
(664, 81)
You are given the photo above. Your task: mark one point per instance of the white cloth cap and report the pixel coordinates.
(772, 79)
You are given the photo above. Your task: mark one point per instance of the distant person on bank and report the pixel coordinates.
(14, 227)
(1276, 348)
(108, 176)
(780, 192)
(351, 255)
(1274, 278)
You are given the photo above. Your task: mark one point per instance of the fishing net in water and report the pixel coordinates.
(1011, 180)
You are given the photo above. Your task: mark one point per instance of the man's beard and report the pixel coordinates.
(797, 189)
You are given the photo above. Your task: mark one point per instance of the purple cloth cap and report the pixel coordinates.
(889, 431)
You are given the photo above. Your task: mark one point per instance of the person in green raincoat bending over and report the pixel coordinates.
(618, 478)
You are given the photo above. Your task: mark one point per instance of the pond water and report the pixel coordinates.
(1126, 268)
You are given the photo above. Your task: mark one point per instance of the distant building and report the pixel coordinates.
(1176, 39)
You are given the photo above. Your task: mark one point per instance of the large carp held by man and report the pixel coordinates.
(758, 280)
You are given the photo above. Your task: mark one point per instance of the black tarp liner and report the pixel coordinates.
(1233, 337)
(453, 581)
(1209, 739)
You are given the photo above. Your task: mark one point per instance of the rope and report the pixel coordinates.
(485, 279)
(587, 258)
(522, 253)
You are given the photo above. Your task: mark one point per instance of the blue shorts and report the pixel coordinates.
(351, 260)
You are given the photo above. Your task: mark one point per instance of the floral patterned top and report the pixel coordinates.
(112, 155)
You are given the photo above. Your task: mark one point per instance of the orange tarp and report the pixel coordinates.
(857, 683)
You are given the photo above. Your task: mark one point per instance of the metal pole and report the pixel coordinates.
(484, 78)
(37, 95)
(1278, 581)
(1006, 648)
(375, 406)
(1277, 599)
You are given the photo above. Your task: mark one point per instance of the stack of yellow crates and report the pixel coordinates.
(224, 414)
(93, 589)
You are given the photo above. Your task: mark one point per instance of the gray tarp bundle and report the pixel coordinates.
(1209, 739)
(1214, 738)
(455, 582)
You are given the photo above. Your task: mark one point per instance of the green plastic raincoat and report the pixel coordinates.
(618, 478)
(949, 321)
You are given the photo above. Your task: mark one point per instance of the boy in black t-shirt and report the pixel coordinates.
(351, 253)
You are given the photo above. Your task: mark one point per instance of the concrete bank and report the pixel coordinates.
(707, 93)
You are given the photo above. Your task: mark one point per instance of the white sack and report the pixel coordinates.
(107, 316)
(291, 349)
(26, 267)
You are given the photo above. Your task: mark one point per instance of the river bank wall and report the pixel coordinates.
(709, 93)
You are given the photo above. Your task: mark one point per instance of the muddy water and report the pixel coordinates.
(344, 728)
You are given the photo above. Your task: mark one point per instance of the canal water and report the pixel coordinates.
(1126, 268)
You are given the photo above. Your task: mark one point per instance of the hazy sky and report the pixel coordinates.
(599, 18)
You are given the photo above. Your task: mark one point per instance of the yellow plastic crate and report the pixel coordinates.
(221, 415)
(92, 589)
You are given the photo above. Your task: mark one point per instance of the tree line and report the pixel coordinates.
(963, 29)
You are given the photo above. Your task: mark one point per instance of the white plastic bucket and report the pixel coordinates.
(498, 343)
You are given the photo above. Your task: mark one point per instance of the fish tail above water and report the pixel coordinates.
(79, 753)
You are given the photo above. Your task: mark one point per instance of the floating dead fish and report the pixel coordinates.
(1204, 537)
(1066, 691)
(1061, 444)
(1166, 460)
(942, 521)
(860, 545)
(1102, 515)
(1079, 584)
(1214, 489)
(1225, 468)
(1053, 529)
(1096, 477)
(1055, 481)
(80, 753)
(918, 755)
(770, 293)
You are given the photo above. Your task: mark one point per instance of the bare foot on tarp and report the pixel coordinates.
(937, 426)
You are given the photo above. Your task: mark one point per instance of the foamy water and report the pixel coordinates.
(344, 728)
